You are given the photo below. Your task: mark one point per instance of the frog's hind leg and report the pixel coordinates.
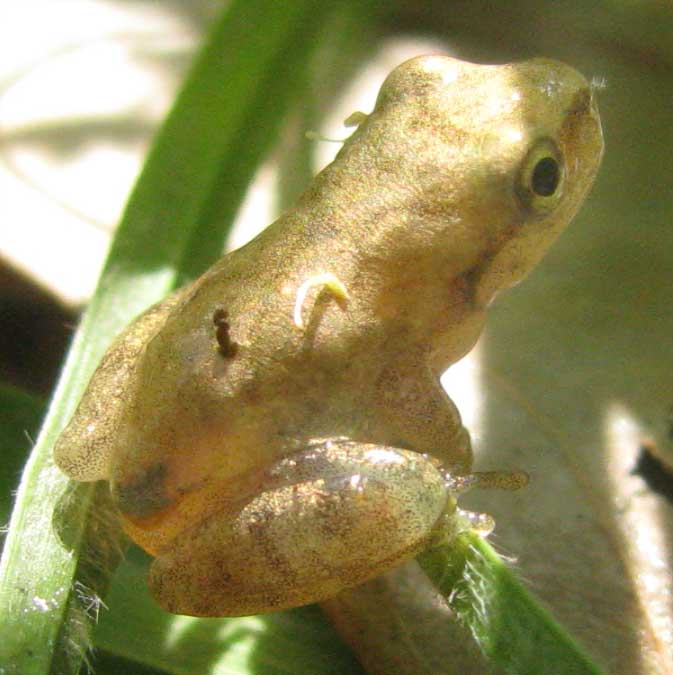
(83, 449)
(325, 518)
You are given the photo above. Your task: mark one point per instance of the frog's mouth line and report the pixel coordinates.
(485, 279)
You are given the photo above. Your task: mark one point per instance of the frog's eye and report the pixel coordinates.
(540, 181)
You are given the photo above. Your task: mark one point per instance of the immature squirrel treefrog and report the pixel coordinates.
(275, 431)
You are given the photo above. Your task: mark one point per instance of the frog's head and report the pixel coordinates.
(509, 154)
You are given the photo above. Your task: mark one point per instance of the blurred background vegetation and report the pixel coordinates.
(575, 368)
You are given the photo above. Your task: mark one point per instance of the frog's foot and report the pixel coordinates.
(355, 119)
(463, 520)
(481, 523)
(326, 518)
(327, 281)
(486, 480)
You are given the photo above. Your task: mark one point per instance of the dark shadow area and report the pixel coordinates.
(654, 473)
(104, 663)
(35, 333)
(63, 140)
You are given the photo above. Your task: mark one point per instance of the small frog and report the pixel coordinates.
(275, 431)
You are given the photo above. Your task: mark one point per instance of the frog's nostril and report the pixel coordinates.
(581, 102)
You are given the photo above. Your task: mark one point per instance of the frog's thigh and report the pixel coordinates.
(83, 450)
(412, 404)
(328, 518)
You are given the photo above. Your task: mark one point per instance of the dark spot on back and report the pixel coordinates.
(657, 476)
(227, 347)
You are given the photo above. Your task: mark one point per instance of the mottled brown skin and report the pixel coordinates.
(435, 203)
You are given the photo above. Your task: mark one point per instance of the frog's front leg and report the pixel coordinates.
(325, 519)
(413, 410)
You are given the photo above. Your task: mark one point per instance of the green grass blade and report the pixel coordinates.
(42, 613)
(509, 624)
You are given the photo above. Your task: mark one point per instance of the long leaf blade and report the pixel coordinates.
(177, 187)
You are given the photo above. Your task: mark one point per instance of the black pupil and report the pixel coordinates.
(546, 175)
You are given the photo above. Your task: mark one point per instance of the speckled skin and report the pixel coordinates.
(431, 207)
